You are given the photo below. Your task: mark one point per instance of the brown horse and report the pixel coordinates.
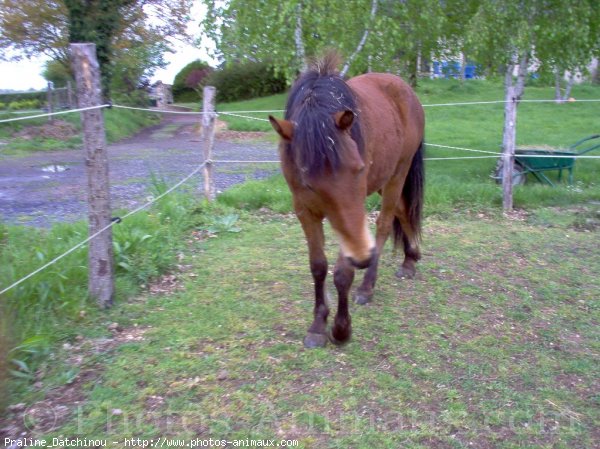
(342, 141)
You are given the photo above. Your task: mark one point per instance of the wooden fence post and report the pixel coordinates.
(508, 152)
(513, 92)
(49, 99)
(89, 94)
(208, 139)
(70, 95)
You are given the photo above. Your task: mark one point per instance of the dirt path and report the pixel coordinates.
(49, 187)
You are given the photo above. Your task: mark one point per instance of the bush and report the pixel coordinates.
(23, 105)
(52, 306)
(190, 80)
(8, 97)
(243, 81)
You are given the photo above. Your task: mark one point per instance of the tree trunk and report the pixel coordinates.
(414, 70)
(49, 100)
(557, 92)
(559, 97)
(299, 39)
(569, 86)
(463, 67)
(89, 94)
(208, 137)
(363, 40)
(512, 95)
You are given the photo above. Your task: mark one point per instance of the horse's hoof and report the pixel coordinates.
(406, 273)
(339, 340)
(312, 341)
(362, 298)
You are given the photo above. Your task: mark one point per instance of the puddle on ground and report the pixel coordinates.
(54, 168)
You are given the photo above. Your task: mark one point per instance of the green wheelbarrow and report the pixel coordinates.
(539, 160)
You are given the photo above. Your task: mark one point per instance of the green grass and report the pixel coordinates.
(119, 123)
(54, 303)
(493, 345)
(270, 103)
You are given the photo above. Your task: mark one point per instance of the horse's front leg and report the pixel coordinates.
(342, 278)
(313, 230)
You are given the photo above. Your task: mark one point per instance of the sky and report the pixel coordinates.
(26, 74)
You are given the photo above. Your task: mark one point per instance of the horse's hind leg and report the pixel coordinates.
(364, 293)
(406, 231)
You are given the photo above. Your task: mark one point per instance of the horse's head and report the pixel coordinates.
(322, 152)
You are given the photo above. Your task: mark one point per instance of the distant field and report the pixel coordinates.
(467, 184)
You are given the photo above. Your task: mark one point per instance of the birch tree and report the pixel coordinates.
(508, 34)
(288, 32)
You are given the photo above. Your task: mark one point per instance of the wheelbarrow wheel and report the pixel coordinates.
(519, 174)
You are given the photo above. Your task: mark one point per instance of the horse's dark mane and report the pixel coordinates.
(315, 97)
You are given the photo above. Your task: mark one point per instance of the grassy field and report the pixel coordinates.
(27, 136)
(494, 345)
(467, 184)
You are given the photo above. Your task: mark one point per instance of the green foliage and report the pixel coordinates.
(39, 96)
(133, 69)
(188, 83)
(269, 103)
(248, 80)
(253, 195)
(269, 30)
(400, 34)
(97, 22)
(21, 105)
(225, 223)
(58, 73)
(44, 309)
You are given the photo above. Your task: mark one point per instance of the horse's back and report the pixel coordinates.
(392, 120)
(387, 97)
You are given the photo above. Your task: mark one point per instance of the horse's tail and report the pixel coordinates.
(413, 195)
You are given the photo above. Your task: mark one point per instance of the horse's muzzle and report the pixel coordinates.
(361, 264)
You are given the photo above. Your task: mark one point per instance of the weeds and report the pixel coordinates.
(226, 223)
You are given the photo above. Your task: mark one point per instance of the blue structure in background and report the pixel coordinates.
(451, 69)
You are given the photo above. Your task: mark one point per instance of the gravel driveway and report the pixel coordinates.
(49, 187)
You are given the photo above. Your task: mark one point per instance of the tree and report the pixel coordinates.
(287, 32)
(97, 21)
(30, 28)
(57, 73)
(509, 34)
(120, 28)
(371, 34)
(187, 84)
(458, 15)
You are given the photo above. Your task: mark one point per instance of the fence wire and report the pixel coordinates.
(239, 114)
(104, 229)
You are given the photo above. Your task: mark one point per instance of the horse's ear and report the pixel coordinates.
(284, 128)
(344, 119)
